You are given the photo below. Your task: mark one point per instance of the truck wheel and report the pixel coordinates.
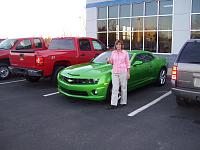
(55, 73)
(33, 79)
(183, 101)
(4, 71)
(162, 77)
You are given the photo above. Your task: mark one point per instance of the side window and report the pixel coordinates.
(140, 57)
(84, 45)
(24, 44)
(97, 45)
(38, 43)
(148, 58)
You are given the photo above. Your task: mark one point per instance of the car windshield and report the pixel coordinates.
(102, 58)
(190, 53)
(7, 44)
(62, 44)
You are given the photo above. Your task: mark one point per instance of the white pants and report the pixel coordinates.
(119, 80)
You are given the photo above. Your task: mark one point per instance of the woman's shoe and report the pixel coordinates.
(111, 107)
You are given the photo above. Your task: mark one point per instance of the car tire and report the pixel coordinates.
(183, 101)
(55, 73)
(4, 71)
(161, 80)
(33, 79)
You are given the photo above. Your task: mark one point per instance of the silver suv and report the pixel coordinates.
(186, 74)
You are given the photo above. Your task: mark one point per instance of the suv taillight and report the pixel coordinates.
(174, 73)
(39, 60)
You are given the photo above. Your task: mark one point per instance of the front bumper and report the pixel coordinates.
(187, 93)
(26, 72)
(83, 91)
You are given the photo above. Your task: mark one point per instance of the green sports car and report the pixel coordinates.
(92, 81)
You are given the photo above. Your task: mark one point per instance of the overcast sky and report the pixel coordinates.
(25, 18)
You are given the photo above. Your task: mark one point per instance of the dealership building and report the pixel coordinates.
(159, 26)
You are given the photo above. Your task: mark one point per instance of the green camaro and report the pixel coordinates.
(92, 80)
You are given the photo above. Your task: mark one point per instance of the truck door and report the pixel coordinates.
(85, 51)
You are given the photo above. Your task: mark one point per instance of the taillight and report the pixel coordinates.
(174, 73)
(39, 60)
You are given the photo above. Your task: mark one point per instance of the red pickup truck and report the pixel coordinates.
(62, 52)
(26, 44)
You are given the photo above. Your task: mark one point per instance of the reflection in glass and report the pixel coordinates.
(137, 9)
(150, 23)
(165, 23)
(137, 24)
(164, 41)
(113, 25)
(113, 11)
(195, 35)
(102, 12)
(137, 40)
(124, 10)
(150, 39)
(124, 25)
(112, 37)
(151, 8)
(102, 37)
(125, 37)
(195, 6)
(102, 25)
(195, 22)
(166, 7)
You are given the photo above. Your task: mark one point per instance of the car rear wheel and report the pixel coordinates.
(4, 71)
(33, 79)
(183, 101)
(162, 77)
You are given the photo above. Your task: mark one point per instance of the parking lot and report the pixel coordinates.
(34, 116)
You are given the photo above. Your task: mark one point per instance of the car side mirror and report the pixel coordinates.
(137, 63)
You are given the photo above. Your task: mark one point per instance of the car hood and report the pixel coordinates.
(89, 70)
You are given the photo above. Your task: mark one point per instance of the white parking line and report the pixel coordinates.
(46, 95)
(149, 104)
(12, 82)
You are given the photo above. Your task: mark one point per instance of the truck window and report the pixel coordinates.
(190, 53)
(62, 44)
(7, 44)
(84, 45)
(97, 45)
(24, 44)
(38, 43)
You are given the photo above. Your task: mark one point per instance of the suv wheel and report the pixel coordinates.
(183, 101)
(33, 79)
(162, 77)
(4, 71)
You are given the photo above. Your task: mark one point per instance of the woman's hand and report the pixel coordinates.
(128, 76)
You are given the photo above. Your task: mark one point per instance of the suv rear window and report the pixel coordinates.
(66, 44)
(190, 53)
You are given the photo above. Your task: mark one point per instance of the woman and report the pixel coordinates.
(120, 74)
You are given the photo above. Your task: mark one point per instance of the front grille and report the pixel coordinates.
(73, 92)
(78, 81)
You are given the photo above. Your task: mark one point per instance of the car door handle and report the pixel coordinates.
(82, 55)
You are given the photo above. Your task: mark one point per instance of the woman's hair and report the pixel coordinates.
(119, 41)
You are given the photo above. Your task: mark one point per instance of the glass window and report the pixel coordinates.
(124, 25)
(165, 23)
(195, 35)
(195, 6)
(84, 45)
(150, 39)
(102, 25)
(125, 37)
(62, 44)
(38, 43)
(125, 10)
(190, 53)
(137, 40)
(137, 9)
(112, 37)
(195, 22)
(164, 41)
(113, 11)
(102, 37)
(24, 44)
(137, 24)
(102, 12)
(97, 45)
(113, 25)
(151, 8)
(7, 44)
(166, 7)
(150, 23)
